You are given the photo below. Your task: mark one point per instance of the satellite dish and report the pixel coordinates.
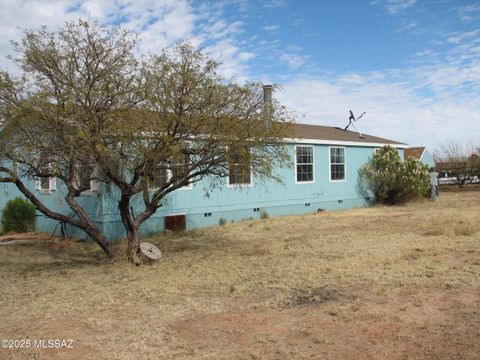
(150, 251)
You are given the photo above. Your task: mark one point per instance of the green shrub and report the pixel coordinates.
(264, 215)
(392, 180)
(18, 215)
(222, 221)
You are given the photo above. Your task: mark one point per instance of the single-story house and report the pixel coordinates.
(324, 175)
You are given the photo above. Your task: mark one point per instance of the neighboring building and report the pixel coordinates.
(420, 153)
(460, 171)
(324, 175)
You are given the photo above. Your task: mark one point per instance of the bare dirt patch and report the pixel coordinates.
(397, 282)
(409, 323)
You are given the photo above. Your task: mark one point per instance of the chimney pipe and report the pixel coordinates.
(267, 103)
(267, 94)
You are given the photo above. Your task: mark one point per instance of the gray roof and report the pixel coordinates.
(318, 132)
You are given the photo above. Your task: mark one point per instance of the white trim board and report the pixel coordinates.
(344, 143)
(423, 152)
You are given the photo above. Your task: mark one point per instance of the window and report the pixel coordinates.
(45, 184)
(337, 164)
(239, 168)
(158, 174)
(180, 169)
(304, 164)
(155, 175)
(87, 185)
(84, 179)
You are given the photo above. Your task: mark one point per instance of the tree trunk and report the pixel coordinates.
(101, 241)
(133, 248)
(89, 227)
(133, 238)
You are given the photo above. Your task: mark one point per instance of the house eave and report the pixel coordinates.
(346, 143)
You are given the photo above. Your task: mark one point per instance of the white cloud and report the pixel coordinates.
(459, 37)
(431, 101)
(274, 3)
(97, 10)
(309, 35)
(395, 6)
(221, 29)
(294, 61)
(468, 13)
(159, 24)
(395, 106)
(16, 16)
(271, 28)
(232, 59)
(435, 99)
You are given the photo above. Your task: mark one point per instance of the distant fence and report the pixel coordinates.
(455, 187)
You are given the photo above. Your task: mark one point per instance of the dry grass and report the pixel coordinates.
(116, 311)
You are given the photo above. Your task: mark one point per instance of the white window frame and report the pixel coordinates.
(344, 163)
(94, 186)
(313, 165)
(167, 178)
(52, 185)
(170, 175)
(250, 184)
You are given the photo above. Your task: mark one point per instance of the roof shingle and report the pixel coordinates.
(415, 152)
(318, 132)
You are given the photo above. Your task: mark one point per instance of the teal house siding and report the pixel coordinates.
(205, 203)
(53, 199)
(427, 159)
(208, 202)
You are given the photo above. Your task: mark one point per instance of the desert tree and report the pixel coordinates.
(86, 109)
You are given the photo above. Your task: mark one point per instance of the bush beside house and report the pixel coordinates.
(392, 180)
(18, 216)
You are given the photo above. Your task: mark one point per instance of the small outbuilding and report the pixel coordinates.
(420, 153)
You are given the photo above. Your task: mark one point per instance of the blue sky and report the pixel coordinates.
(412, 65)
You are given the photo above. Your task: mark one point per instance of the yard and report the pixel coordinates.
(379, 283)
